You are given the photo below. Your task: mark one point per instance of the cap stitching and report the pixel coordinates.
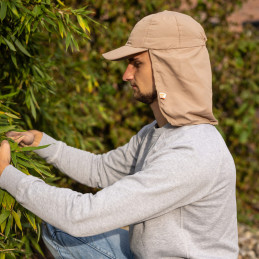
(147, 30)
(179, 42)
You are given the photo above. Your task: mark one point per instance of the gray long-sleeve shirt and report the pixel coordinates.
(174, 186)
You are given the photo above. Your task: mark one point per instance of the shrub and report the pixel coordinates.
(26, 78)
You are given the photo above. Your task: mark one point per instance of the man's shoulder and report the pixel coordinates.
(144, 130)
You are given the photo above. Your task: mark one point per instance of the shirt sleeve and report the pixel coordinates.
(90, 169)
(170, 179)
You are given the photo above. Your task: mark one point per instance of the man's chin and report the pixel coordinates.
(144, 99)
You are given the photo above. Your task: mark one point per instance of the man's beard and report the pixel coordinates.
(145, 98)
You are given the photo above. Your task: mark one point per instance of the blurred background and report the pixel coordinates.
(54, 79)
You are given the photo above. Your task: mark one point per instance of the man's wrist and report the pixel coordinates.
(37, 137)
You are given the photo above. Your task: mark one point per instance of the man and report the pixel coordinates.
(173, 183)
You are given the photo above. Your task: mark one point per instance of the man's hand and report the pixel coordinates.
(30, 138)
(5, 155)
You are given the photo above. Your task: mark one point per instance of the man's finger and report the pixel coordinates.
(4, 142)
(12, 134)
(19, 139)
(5, 155)
(5, 145)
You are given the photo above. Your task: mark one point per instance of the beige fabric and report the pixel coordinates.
(180, 62)
(126, 50)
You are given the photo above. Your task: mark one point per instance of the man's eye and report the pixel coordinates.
(137, 64)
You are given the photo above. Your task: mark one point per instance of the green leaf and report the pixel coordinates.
(8, 108)
(60, 3)
(9, 44)
(39, 165)
(68, 39)
(11, 115)
(26, 164)
(4, 216)
(36, 10)
(21, 155)
(28, 27)
(50, 22)
(3, 10)
(8, 201)
(14, 146)
(14, 60)
(9, 225)
(86, 25)
(81, 22)
(26, 242)
(2, 193)
(38, 232)
(8, 95)
(21, 48)
(33, 98)
(61, 28)
(27, 38)
(13, 9)
(6, 128)
(50, 14)
(33, 148)
(33, 110)
(38, 71)
(14, 160)
(17, 220)
(36, 246)
(35, 25)
(67, 18)
(31, 219)
(42, 171)
(3, 225)
(75, 43)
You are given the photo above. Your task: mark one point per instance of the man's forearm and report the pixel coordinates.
(87, 168)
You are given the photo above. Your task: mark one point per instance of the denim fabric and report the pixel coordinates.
(112, 244)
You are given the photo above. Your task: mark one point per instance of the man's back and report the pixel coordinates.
(199, 209)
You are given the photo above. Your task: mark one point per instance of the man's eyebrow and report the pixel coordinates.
(133, 59)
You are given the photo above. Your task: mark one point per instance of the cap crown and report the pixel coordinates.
(167, 30)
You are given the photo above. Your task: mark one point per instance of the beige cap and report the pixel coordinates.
(164, 30)
(180, 63)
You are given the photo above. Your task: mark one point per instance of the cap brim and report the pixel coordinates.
(122, 52)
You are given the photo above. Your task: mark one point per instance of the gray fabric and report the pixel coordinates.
(174, 186)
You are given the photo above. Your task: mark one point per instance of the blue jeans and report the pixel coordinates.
(112, 244)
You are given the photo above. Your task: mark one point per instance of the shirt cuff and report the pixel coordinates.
(46, 152)
(10, 179)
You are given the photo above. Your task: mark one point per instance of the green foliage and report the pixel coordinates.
(26, 80)
(14, 218)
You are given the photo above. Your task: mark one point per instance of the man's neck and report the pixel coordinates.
(161, 120)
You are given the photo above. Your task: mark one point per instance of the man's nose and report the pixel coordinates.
(129, 73)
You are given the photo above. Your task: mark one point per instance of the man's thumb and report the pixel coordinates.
(5, 144)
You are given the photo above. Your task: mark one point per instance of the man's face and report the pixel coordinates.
(139, 74)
